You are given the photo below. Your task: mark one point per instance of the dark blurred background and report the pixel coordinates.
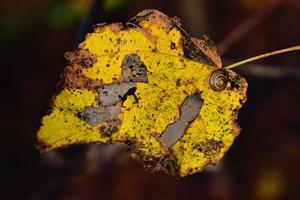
(264, 161)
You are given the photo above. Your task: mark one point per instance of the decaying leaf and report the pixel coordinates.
(147, 84)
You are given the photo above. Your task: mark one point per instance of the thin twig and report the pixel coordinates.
(281, 51)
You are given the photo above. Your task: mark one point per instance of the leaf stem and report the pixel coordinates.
(281, 51)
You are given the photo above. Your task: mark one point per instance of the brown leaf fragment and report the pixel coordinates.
(152, 16)
(191, 51)
(82, 57)
(73, 78)
(208, 48)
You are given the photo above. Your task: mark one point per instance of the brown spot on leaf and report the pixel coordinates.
(191, 51)
(110, 127)
(172, 45)
(209, 49)
(211, 147)
(72, 77)
(152, 16)
(81, 57)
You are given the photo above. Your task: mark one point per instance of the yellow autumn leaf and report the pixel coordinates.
(149, 85)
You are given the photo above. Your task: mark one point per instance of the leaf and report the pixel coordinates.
(147, 84)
